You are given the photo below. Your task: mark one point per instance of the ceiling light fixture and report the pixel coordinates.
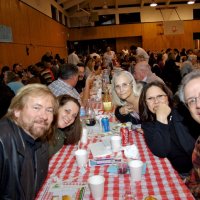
(190, 2)
(153, 4)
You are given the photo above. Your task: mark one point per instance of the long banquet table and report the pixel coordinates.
(160, 179)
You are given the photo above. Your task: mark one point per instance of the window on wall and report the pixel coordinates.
(196, 13)
(60, 17)
(53, 12)
(196, 36)
(105, 20)
(129, 18)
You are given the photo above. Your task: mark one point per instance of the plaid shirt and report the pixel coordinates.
(59, 87)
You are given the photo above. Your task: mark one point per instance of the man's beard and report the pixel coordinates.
(33, 129)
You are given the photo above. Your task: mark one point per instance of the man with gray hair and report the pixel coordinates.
(143, 73)
(189, 94)
(188, 65)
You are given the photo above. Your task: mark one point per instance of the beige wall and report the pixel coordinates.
(182, 12)
(148, 14)
(43, 6)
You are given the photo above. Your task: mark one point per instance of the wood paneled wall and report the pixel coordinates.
(101, 32)
(39, 33)
(30, 29)
(152, 35)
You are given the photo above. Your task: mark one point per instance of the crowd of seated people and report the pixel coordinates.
(170, 66)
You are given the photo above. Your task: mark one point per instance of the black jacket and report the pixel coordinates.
(6, 96)
(17, 180)
(172, 140)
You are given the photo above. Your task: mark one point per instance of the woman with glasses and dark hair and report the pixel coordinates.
(125, 95)
(164, 130)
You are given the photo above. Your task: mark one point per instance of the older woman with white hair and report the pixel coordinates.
(125, 96)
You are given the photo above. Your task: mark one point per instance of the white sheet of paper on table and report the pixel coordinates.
(98, 150)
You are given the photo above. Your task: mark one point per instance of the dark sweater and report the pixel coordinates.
(171, 140)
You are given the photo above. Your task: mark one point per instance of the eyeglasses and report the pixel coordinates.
(192, 102)
(123, 86)
(159, 98)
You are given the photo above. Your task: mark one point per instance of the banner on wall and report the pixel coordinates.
(5, 33)
(173, 27)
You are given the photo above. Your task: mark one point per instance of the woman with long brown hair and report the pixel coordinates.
(68, 124)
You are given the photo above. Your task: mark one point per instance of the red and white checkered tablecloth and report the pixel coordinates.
(160, 179)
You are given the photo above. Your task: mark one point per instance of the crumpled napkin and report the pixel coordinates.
(131, 151)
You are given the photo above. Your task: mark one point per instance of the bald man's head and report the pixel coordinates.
(141, 70)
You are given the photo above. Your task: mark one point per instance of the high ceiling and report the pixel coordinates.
(71, 6)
